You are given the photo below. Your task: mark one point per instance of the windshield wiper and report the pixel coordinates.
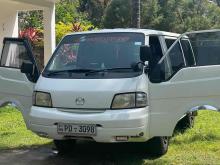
(108, 70)
(69, 71)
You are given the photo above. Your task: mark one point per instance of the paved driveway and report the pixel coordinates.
(85, 153)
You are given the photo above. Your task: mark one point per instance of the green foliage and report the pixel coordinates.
(70, 18)
(95, 10)
(169, 15)
(118, 14)
(63, 29)
(204, 15)
(150, 12)
(30, 19)
(68, 11)
(186, 15)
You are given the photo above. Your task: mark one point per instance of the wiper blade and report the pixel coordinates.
(69, 71)
(108, 70)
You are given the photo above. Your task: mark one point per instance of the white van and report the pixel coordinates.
(118, 85)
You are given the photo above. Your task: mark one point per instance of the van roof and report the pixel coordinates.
(121, 30)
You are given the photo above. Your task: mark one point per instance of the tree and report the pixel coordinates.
(30, 19)
(69, 11)
(95, 10)
(118, 14)
(186, 15)
(150, 14)
(168, 15)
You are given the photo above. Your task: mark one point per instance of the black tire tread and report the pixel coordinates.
(157, 147)
(64, 146)
(186, 122)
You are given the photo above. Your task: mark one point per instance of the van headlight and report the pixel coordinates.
(42, 99)
(130, 100)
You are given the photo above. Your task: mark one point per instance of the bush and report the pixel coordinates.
(62, 29)
(35, 36)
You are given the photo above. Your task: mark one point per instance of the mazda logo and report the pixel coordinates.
(80, 101)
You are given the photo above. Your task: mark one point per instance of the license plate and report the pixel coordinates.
(76, 129)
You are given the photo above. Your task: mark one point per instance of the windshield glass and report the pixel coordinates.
(191, 49)
(96, 52)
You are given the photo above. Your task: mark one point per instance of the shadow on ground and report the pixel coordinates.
(88, 153)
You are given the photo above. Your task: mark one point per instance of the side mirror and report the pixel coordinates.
(27, 68)
(145, 53)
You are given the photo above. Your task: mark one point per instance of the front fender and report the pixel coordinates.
(18, 106)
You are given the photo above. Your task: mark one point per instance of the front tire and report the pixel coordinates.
(65, 146)
(158, 146)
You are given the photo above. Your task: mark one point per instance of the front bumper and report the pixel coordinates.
(132, 123)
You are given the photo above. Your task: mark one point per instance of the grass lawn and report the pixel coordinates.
(13, 132)
(200, 145)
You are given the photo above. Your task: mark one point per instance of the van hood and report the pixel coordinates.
(85, 93)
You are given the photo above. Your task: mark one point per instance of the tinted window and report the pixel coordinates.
(176, 58)
(169, 42)
(155, 49)
(188, 53)
(14, 54)
(200, 49)
(169, 65)
(206, 48)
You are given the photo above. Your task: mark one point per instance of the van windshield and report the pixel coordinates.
(92, 52)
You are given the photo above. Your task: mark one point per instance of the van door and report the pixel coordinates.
(16, 88)
(190, 82)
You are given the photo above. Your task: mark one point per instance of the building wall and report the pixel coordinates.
(8, 27)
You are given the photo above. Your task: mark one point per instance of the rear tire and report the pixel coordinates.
(65, 146)
(158, 146)
(186, 122)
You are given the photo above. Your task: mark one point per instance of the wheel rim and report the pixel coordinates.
(165, 140)
(191, 120)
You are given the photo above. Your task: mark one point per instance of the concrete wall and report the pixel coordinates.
(8, 27)
(49, 32)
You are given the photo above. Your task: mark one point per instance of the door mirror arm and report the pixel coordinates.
(146, 57)
(136, 66)
(146, 67)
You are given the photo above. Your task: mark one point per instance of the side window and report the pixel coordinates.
(176, 58)
(169, 65)
(169, 42)
(156, 49)
(206, 49)
(188, 52)
(14, 54)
